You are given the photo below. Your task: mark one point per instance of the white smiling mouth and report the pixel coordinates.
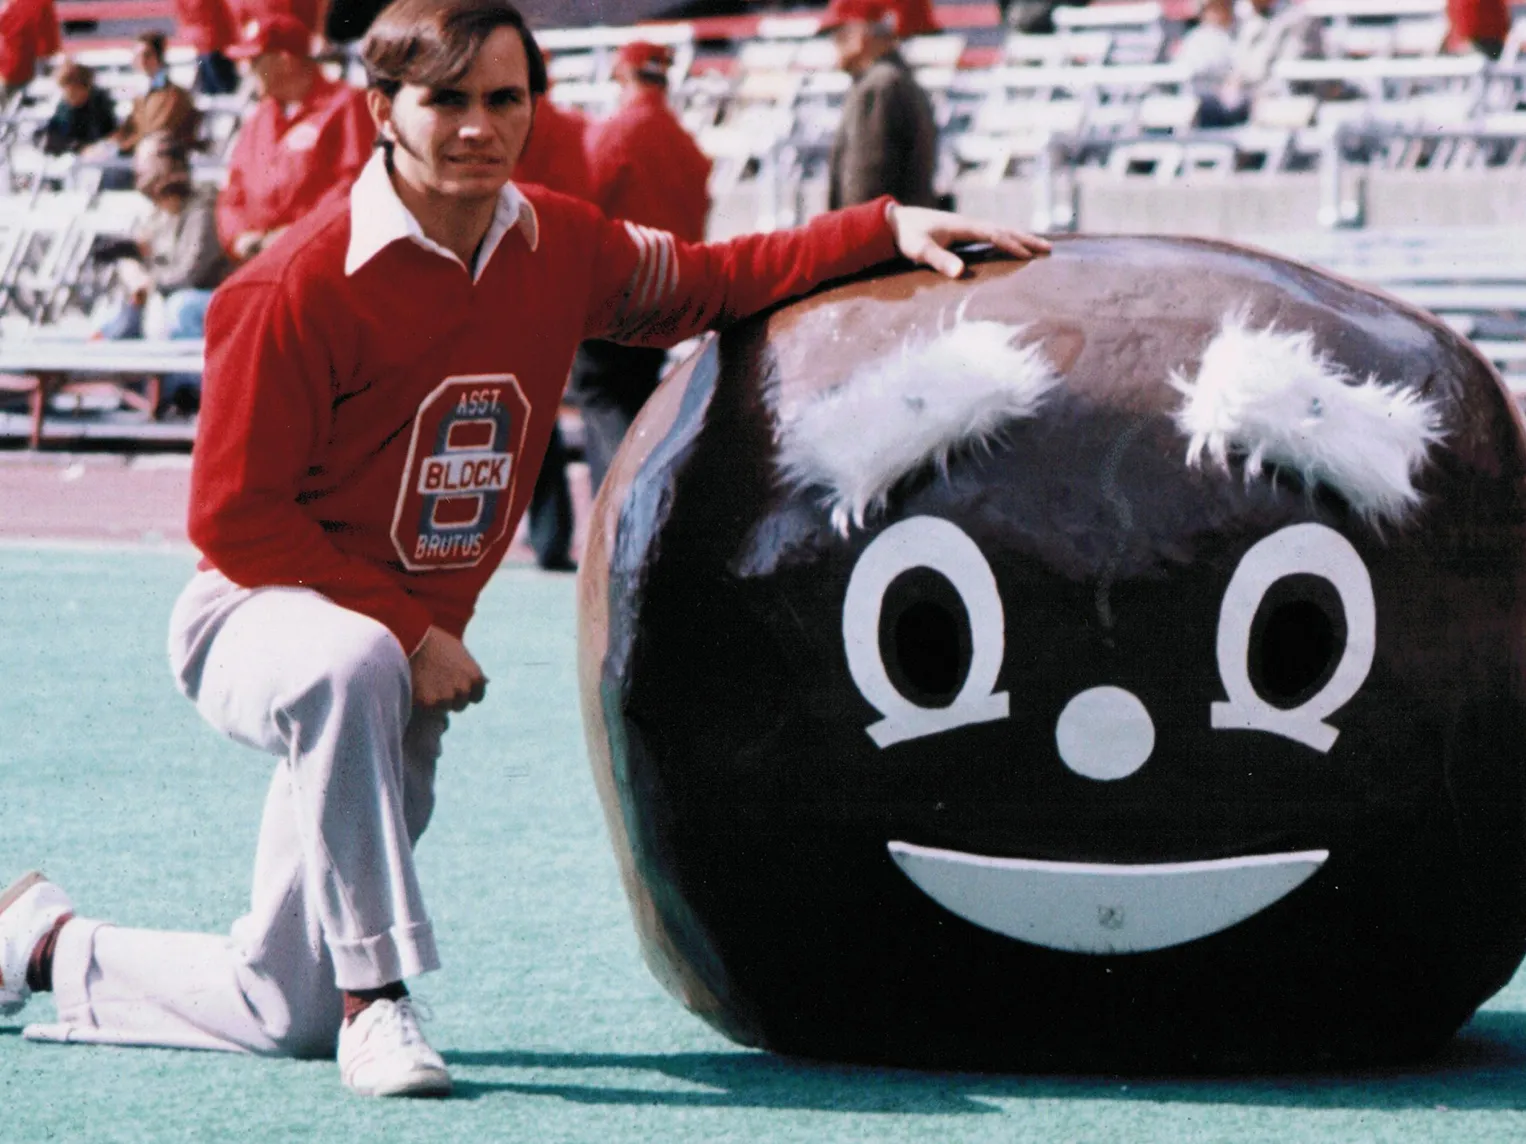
(1099, 908)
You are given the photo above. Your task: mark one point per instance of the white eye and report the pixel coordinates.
(1299, 599)
(926, 636)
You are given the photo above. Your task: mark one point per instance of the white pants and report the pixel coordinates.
(336, 902)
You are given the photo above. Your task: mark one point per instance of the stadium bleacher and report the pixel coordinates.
(1387, 146)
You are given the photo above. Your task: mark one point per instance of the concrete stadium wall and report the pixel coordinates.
(1261, 204)
(1203, 205)
(1469, 198)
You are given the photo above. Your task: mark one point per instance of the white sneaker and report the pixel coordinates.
(29, 907)
(382, 1052)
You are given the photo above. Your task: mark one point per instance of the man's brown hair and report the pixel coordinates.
(154, 42)
(433, 43)
(75, 74)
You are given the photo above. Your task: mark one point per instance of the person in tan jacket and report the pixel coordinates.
(163, 109)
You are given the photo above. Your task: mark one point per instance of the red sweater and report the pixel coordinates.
(28, 33)
(283, 168)
(646, 168)
(376, 436)
(207, 25)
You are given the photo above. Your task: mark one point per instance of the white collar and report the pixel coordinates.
(378, 218)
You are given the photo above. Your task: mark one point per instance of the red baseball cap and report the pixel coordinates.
(840, 12)
(278, 32)
(648, 59)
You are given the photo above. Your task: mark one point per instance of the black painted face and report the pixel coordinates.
(1074, 754)
(924, 631)
(1104, 705)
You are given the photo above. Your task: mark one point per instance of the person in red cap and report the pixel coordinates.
(207, 25)
(28, 33)
(380, 386)
(304, 144)
(887, 139)
(648, 170)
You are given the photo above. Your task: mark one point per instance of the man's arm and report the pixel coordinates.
(265, 411)
(183, 123)
(126, 135)
(232, 218)
(651, 289)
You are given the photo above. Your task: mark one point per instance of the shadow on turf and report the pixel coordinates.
(1483, 1068)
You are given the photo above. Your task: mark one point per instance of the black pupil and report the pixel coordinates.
(927, 646)
(925, 637)
(1296, 640)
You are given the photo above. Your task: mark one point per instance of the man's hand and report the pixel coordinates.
(445, 674)
(248, 244)
(925, 235)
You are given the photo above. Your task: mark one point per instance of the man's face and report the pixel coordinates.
(275, 74)
(1219, 12)
(145, 61)
(463, 141)
(852, 43)
(75, 94)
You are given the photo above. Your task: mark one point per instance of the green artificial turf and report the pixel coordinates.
(553, 1027)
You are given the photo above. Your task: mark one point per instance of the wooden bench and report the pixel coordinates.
(44, 367)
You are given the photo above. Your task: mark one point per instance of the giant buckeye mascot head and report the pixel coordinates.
(1111, 662)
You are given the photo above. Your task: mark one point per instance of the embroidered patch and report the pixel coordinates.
(458, 485)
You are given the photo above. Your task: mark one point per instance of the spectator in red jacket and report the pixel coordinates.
(304, 144)
(207, 25)
(645, 166)
(646, 169)
(1478, 25)
(555, 157)
(28, 33)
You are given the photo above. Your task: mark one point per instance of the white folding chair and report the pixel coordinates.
(1161, 114)
(1161, 161)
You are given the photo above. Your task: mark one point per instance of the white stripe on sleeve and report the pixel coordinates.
(653, 282)
(643, 262)
(641, 293)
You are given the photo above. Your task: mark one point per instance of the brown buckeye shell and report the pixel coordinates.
(750, 813)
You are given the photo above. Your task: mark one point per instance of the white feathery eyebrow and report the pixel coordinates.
(892, 416)
(1271, 396)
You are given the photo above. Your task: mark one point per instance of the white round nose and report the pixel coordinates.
(1105, 733)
